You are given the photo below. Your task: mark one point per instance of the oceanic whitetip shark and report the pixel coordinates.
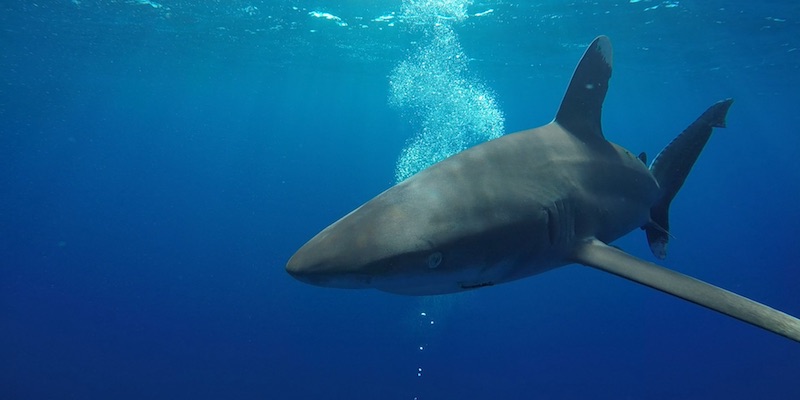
(526, 203)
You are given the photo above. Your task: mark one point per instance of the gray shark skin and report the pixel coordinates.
(526, 203)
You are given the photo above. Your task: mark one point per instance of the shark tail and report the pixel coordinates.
(672, 166)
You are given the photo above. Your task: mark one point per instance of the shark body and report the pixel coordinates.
(526, 203)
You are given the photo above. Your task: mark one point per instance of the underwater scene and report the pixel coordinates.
(166, 167)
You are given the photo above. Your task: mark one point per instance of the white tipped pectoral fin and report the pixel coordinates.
(597, 254)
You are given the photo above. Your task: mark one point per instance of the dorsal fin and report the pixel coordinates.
(580, 110)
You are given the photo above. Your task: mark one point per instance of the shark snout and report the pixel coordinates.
(315, 264)
(306, 266)
(308, 275)
(298, 269)
(328, 278)
(373, 244)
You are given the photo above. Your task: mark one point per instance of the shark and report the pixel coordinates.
(526, 203)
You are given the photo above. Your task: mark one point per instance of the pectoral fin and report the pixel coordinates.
(597, 254)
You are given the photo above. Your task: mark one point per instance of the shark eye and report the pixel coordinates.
(434, 260)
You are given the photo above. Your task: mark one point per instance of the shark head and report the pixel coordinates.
(407, 241)
(371, 242)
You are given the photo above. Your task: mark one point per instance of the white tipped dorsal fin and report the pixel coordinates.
(581, 107)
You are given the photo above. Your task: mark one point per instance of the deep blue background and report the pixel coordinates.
(158, 166)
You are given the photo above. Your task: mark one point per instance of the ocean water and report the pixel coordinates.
(160, 161)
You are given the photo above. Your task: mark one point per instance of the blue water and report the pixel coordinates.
(160, 162)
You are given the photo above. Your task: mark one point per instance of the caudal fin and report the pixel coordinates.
(672, 166)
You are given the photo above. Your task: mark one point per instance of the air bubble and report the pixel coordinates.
(451, 109)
